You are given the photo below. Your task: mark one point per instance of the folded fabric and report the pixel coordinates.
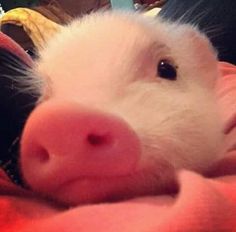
(206, 204)
(202, 205)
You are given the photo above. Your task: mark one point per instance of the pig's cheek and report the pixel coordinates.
(64, 143)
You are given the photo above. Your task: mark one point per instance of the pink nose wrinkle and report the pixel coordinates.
(64, 141)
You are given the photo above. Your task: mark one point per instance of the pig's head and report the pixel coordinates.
(125, 102)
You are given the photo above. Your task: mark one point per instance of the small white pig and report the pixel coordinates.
(126, 101)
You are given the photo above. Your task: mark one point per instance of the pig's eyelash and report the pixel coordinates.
(158, 49)
(161, 52)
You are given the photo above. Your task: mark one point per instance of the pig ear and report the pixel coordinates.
(15, 105)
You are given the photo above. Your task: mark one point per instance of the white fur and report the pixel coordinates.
(109, 60)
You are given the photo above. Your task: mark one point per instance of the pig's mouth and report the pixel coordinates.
(84, 190)
(230, 131)
(230, 125)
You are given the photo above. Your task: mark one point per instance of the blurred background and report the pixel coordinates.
(73, 7)
(10, 4)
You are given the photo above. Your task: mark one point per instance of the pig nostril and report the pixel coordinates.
(43, 155)
(97, 140)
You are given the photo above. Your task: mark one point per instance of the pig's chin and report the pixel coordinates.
(89, 190)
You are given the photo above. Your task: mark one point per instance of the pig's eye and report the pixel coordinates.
(166, 70)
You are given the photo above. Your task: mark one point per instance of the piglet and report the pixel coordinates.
(125, 102)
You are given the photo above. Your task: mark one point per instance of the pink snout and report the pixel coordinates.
(62, 142)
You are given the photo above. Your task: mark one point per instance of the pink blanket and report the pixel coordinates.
(203, 204)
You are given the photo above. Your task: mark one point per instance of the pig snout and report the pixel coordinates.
(62, 142)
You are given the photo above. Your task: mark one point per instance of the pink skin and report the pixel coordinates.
(76, 150)
(107, 127)
(65, 138)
